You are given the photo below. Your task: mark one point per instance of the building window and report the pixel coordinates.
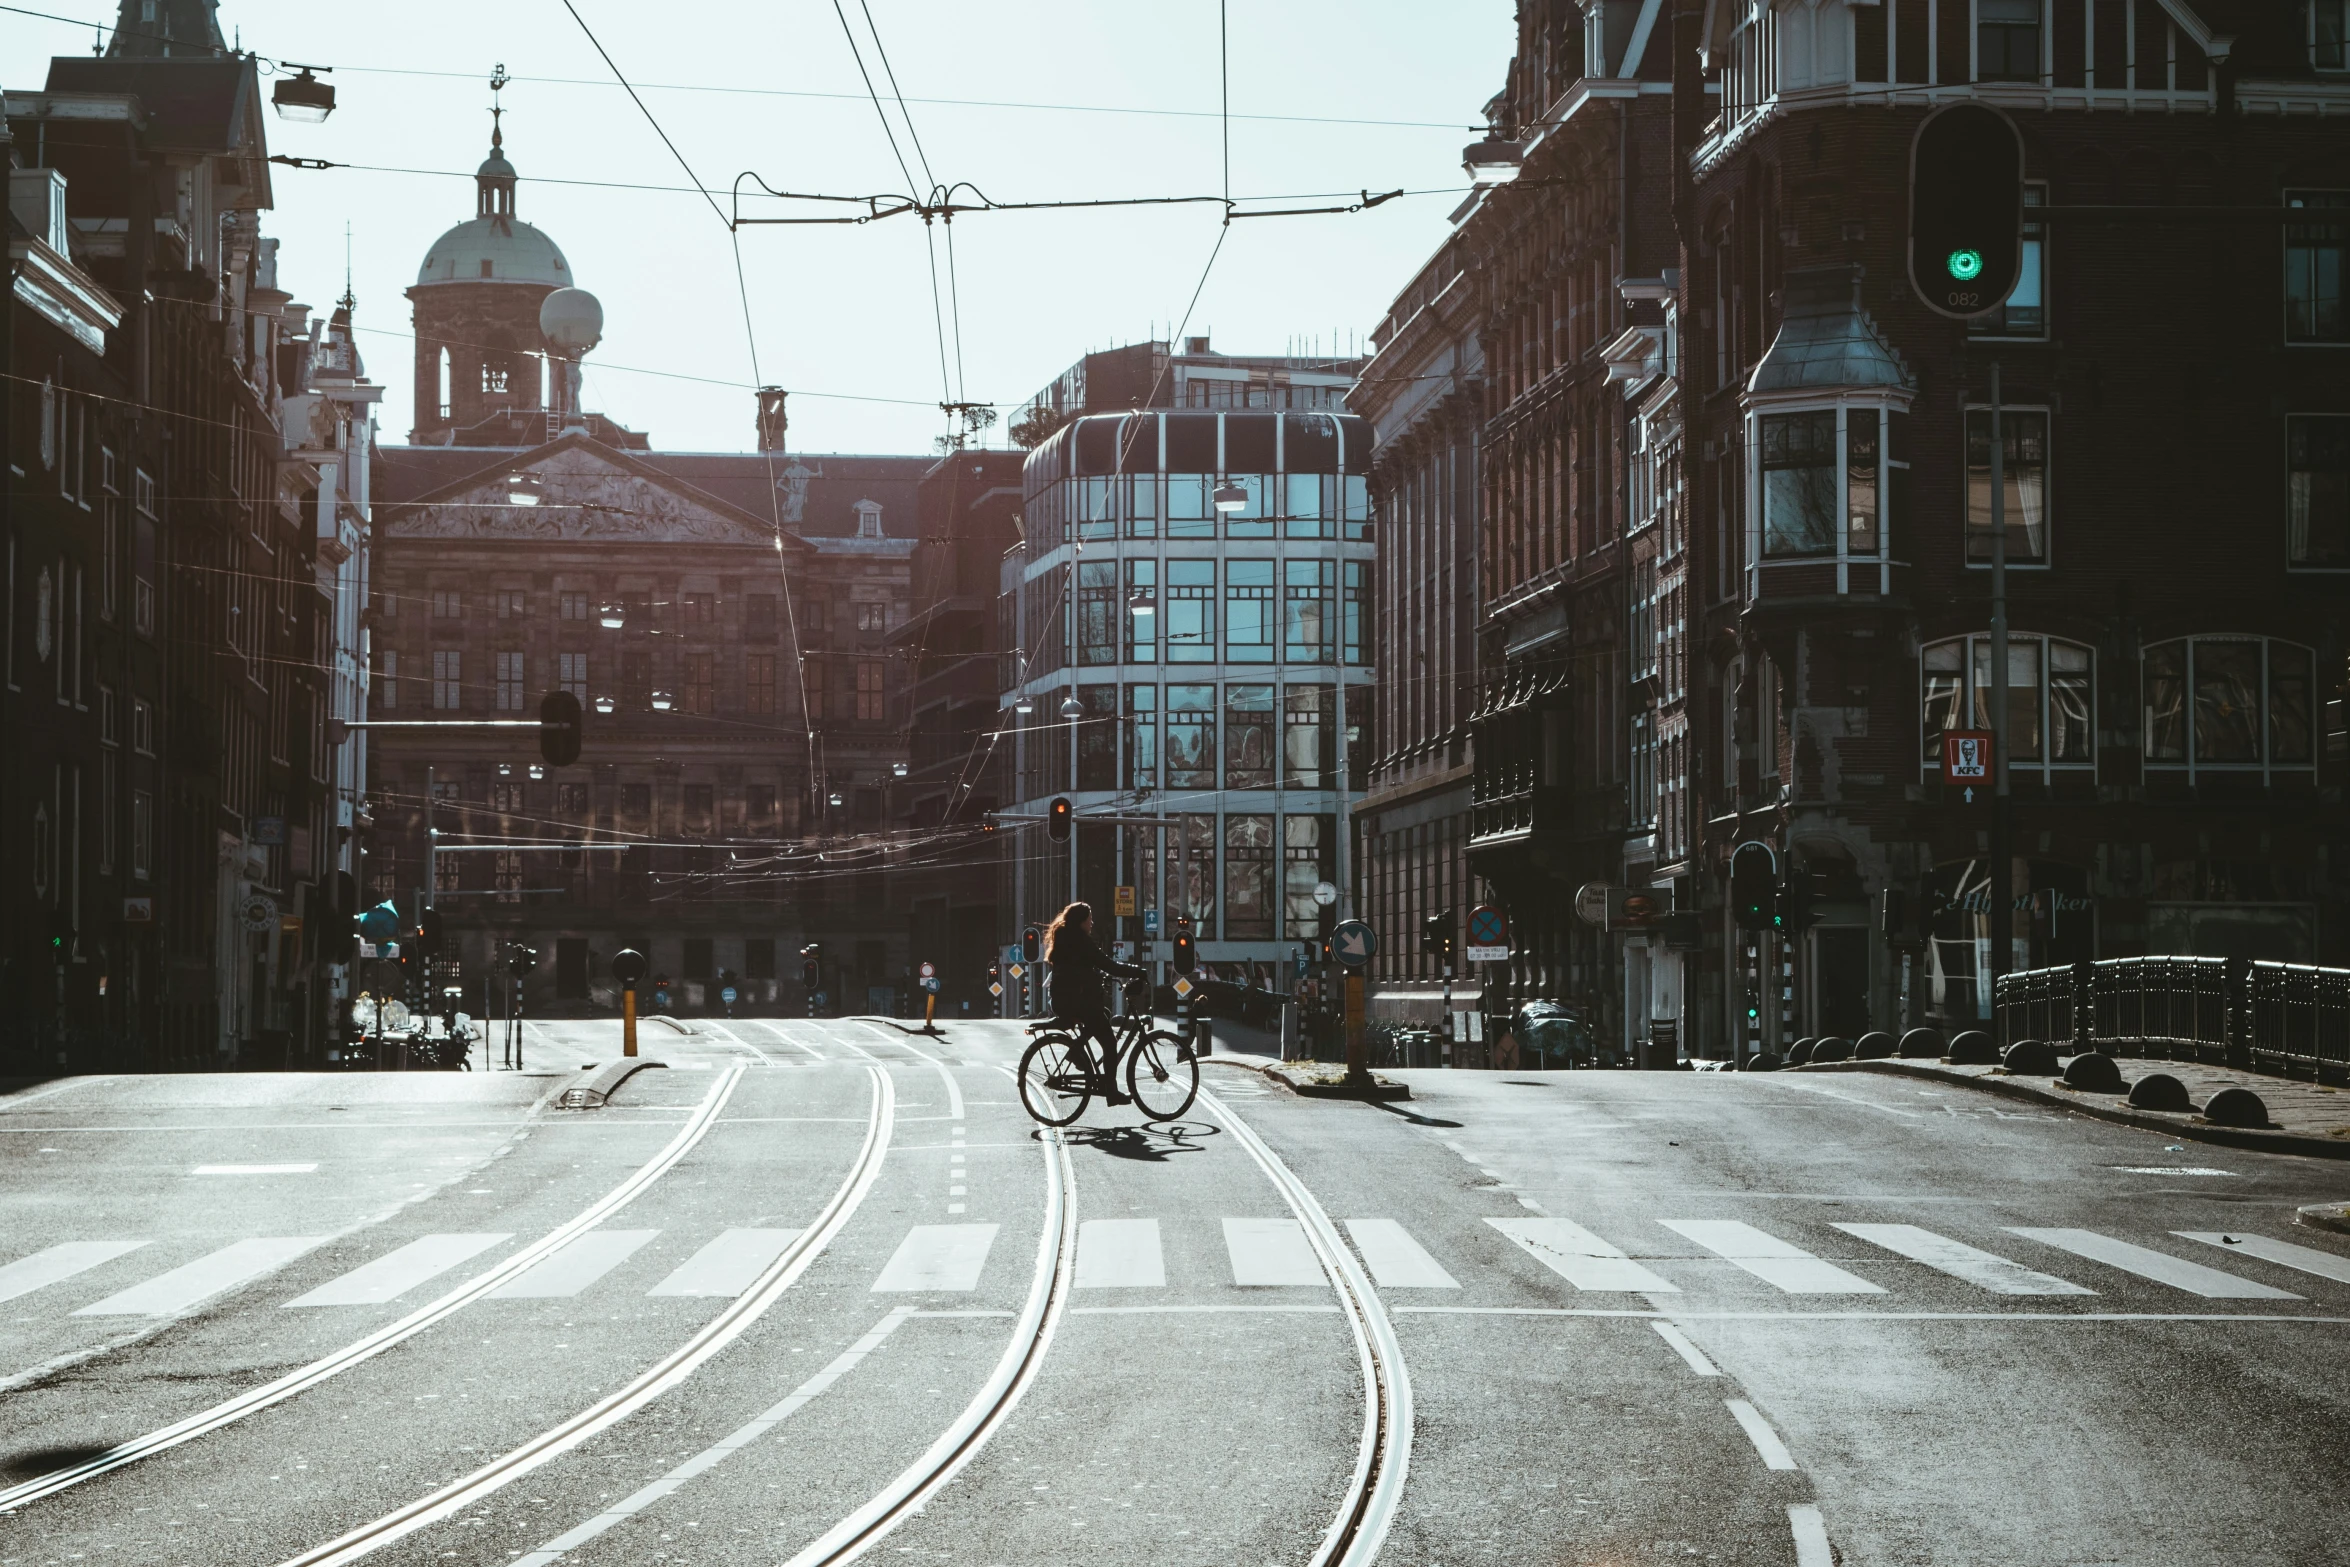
(2023, 440)
(448, 686)
(572, 606)
(1142, 737)
(1355, 598)
(2025, 314)
(701, 683)
(2232, 703)
(386, 682)
(506, 798)
(1248, 737)
(1799, 484)
(636, 802)
(2329, 33)
(759, 617)
(571, 674)
(1142, 611)
(448, 604)
(1142, 502)
(513, 603)
(870, 697)
(2007, 40)
(1097, 738)
(2313, 269)
(759, 803)
(1097, 612)
(1190, 611)
(1191, 737)
(508, 876)
(2317, 463)
(1191, 513)
(510, 682)
(2051, 713)
(1308, 587)
(571, 799)
(1248, 612)
(758, 957)
(142, 832)
(700, 806)
(1306, 845)
(701, 609)
(759, 683)
(142, 726)
(636, 681)
(1248, 878)
(1307, 740)
(814, 672)
(872, 616)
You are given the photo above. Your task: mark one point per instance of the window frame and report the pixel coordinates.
(2041, 32)
(2035, 244)
(2309, 10)
(2189, 763)
(2336, 198)
(1884, 409)
(2291, 563)
(2047, 415)
(1969, 700)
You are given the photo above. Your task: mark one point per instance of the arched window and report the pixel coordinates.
(2051, 694)
(2229, 703)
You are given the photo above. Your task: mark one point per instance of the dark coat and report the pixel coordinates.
(1079, 967)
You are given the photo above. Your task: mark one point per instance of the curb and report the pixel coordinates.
(2333, 1216)
(2009, 1088)
(663, 1017)
(1314, 1088)
(597, 1091)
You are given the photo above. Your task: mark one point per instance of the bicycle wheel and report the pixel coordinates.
(1056, 1080)
(1162, 1075)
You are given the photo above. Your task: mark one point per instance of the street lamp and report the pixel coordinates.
(1023, 704)
(663, 701)
(897, 769)
(605, 704)
(1071, 708)
(1493, 161)
(505, 769)
(833, 798)
(1141, 603)
(303, 99)
(612, 616)
(1230, 496)
(538, 774)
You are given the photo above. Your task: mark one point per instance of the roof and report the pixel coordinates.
(515, 251)
(193, 105)
(1826, 341)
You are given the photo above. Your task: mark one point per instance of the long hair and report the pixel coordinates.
(1079, 914)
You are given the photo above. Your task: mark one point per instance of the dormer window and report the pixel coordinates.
(485, 266)
(868, 519)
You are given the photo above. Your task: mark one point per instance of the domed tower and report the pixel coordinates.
(481, 362)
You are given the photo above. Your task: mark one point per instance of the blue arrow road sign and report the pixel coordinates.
(1353, 943)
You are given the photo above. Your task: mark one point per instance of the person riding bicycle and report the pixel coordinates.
(1079, 966)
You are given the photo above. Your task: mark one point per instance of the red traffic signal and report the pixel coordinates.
(1185, 958)
(428, 934)
(1059, 816)
(1031, 944)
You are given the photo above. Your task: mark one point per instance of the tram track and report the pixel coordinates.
(252, 1402)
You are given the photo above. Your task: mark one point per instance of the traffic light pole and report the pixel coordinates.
(2002, 800)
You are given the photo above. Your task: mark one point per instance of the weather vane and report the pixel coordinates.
(498, 81)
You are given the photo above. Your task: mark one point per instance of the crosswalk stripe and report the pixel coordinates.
(396, 1272)
(1580, 1257)
(52, 1264)
(726, 1267)
(2303, 1259)
(2160, 1266)
(207, 1276)
(1780, 1264)
(1961, 1261)
(937, 1257)
(575, 1267)
(1271, 1252)
(1396, 1261)
(1119, 1254)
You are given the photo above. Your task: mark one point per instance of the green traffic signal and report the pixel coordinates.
(1966, 265)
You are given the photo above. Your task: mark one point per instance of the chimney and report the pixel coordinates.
(1196, 345)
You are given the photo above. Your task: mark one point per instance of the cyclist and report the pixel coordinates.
(1079, 966)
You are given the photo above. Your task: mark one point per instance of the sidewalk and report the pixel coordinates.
(2306, 1119)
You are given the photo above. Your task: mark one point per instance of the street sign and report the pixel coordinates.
(1297, 963)
(1353, 943)
(1183, 985)
(930, 983)
(1017, 969)
(929, 972)
(1488, 927)
(1011, 952)
(1122, 903)
(995, 987)
(1966, 757)
(1150, 922)
(1123, 951)
(727, 995)
(1325, 893)
(1485, 954)
(138, 911)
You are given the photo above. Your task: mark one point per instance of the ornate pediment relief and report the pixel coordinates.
(574, 494)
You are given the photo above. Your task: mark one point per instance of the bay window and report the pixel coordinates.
(1821, 479)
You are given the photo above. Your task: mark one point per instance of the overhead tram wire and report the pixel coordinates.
(751, 341)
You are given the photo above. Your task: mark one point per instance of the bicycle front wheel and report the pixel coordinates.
(1056, 1080)
(1162, 1075)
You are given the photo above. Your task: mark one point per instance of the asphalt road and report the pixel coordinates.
(820, 1288)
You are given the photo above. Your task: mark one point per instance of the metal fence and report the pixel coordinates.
(2278, 1017)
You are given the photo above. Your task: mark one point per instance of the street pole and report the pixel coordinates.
(2002, 802)
(628, 1020)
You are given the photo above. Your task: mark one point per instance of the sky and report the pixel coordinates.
(1116, 99)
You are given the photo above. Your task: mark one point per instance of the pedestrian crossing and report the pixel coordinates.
(1684, 1258)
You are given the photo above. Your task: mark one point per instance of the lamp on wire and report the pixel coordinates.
(1493, 161)
(897, 769)
(1141, 603)
(1071, 707)
(612, 616)
(605, 704)
(1230, 496)
(663, 701)
(304, 99)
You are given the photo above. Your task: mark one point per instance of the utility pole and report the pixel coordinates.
(2002, 801)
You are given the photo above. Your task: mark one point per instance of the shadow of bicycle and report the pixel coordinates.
(1153, 1144)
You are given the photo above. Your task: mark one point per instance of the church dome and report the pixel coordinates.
(495, 250)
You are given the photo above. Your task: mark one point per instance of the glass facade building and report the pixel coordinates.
(1188, 620)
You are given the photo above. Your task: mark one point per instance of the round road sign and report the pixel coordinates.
(929, 972)
(1353, 943)
(1488, 927)
(628, 966)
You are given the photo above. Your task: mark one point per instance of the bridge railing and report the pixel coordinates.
(2276, 1017)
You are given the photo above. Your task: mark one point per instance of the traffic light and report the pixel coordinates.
(1754, 896)
(1794, 914)
(1058, 817)
(811, 973)
(428, 934)
(1436, 935)
(1031, 944)
(559, 728)
(1893, 914)
(1966, 203)
(520, 959)
(1185, 959)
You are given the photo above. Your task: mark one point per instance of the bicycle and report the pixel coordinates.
(1058, 1077)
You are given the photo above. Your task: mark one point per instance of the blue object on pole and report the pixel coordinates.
(380, 923)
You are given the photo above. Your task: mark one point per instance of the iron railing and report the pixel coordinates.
(2289, 1018)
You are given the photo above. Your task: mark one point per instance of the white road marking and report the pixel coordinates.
(1985, 1269)
(1580, 1257)
(728, 1265)
(2302, 1259)
(2169, 1169)
(1686, 1315)
(1776, 1262)
(396, 1272)
(718, 1452)
(1272, 1253)
(253, 1169)
(1119, 1254)
(946, 1075)
(1758, 1431)
(2160, 1266)
(937, 1257)
(576, 1266)
(55, 1263)
(1811, 1536)
(181, 1288)
(1396, 1261)
(1685, 1349)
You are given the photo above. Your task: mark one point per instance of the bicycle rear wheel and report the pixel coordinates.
(1162, 1075)
(1056, 1080)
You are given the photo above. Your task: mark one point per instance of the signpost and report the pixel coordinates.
(628, 967)
(1123, 903)
(1489, 935)
(1353, 943)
